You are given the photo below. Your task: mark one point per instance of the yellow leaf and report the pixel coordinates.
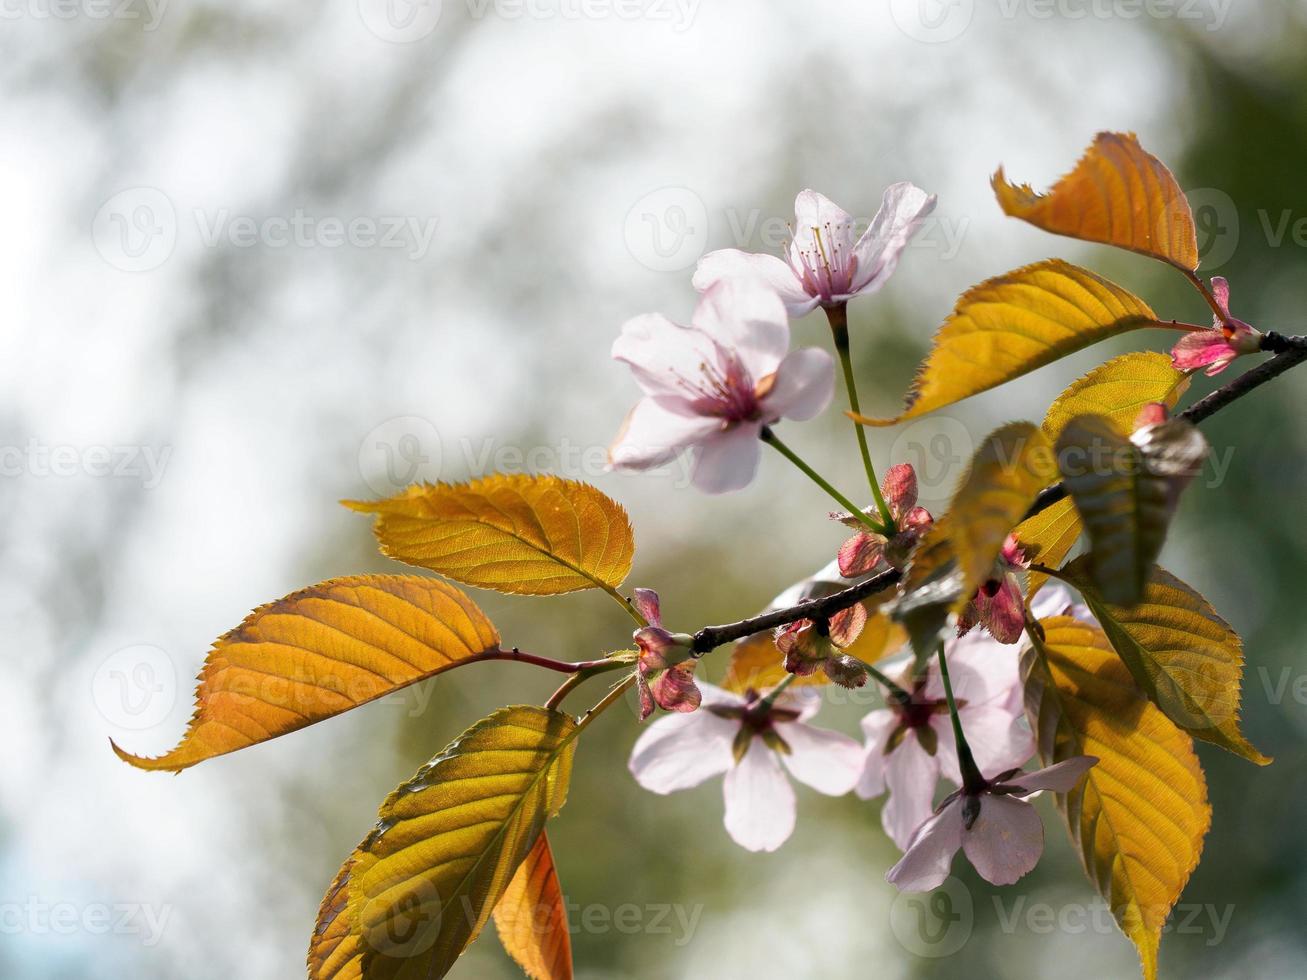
(449, 840)
(532, 917)
(322, 651)
(1182, 655)
(1009, 470)
(1118, 194)
(1140, 815)
(1118, 390)
(334, 951)
(526, 535)
(1047, 538)
(1125, 492)
(1011, 325)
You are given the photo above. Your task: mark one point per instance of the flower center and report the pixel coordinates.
(823, 266)
(725, 390)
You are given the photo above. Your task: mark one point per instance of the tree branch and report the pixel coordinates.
(1289, 351)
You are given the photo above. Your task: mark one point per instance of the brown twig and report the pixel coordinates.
(1289, 351)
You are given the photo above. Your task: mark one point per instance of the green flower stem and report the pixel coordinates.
(896, 691)
(839, 326)
(626, 604)
(770, 437)
(972, 779)
(766, 703)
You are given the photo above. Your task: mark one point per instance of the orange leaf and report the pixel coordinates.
(1118, 194)
(532, 917)
(321, 651)
(335, 952)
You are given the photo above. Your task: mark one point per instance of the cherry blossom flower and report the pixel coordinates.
(998, 605)
(809, 646)
(753, 745)
(994, 825)
(664, 674)
(865, 550)
(714, 385)
(910, 744)
(1216, 348)
(824, 264)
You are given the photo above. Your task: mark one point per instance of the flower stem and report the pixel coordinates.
(608, 700)
(776, 692)
(896, 690)
(972, 780)
(625, 603)
(839, 326)
(770, 437)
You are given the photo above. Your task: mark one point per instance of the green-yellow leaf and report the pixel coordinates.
(1047, 538)
(1011, 325)
(1119, 194)
(531, 917)
(334, 950)
(526, 535)
(1009, 470)
(1140, 815)
(449, 841)
(322, 651)
(1125, 491)
(1119, 390)
(1184, 657)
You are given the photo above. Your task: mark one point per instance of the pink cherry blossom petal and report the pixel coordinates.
(679, 751)
(1221, 293)
(999, 740)
(1203, 348)
(728, 460)
(812, 209)
(747, 317)
(911, 776)
(929, 854)
(803, 386)
(731, 263)
(663, 356)
(876, 728)
(904, 208)
(674, 689)
(652, 436)
(1006, 841)
(829, 762)
(1060, 778)
(760, 807)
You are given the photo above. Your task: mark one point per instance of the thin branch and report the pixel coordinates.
(1291, 351)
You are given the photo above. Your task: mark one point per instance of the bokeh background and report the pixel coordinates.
(204, 348)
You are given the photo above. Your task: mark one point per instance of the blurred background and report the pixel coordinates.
(259, 257)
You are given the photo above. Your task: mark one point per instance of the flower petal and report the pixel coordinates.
(680, 751)
(647, 605)
(661, 354)
(728, 460)
(829, 762)
(652, 436)
(903, 209)
(929, 854)
(813, 209)
(746, 316)
(1221, 293)
(674, 689)
(731, 263)
(876, 728)
(803, 386)
(1059, 778)
(759, 800)
(911, 776)
(1006, 841)
(1054, 599)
